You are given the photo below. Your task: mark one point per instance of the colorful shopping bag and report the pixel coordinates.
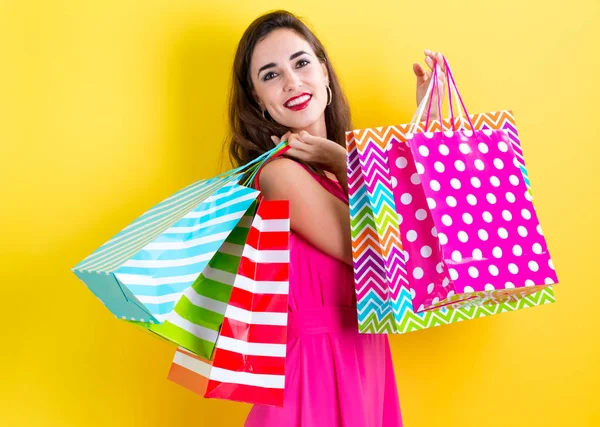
(467, 222)
(249, 360)
(142, 272)
(384, 299)
(195, 321)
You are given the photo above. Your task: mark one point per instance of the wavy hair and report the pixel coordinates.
(250, 133)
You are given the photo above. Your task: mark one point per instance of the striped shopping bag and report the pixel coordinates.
(249, 360)
(197, 317)
(142, 272)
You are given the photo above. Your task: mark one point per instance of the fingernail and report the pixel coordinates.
(427, 51)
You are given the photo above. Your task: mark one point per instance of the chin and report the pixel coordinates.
(303, 119)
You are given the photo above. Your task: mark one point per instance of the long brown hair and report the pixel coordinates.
(250, 133)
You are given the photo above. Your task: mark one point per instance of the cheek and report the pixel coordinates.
(319, 84)
(316, 76)
(321, 91)
(268, 94)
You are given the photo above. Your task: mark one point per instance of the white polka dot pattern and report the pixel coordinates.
(474, 196)
(428, 277)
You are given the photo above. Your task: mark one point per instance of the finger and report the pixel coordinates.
(429, 62)
(285, 137)
(275, 139)
(296, 142)
(297, 154)
(430, 53)
(419, 71)
(440, 60)
(435, 57)
(422, 74)
(309, 139)
(305, 136)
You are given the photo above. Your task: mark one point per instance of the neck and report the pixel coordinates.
(318, 128)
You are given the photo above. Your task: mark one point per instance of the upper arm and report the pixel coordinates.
(315, 214)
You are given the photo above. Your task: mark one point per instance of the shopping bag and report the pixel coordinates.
(468, 224)
(249, 359)
(142, 272)
(195, 321)
(384, 298)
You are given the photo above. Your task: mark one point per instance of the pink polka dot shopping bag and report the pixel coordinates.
(454, 233)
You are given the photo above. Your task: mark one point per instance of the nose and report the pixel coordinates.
(292, 82)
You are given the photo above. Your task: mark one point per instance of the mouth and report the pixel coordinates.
(299, 102)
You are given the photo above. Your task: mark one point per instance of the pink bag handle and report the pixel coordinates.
(436, 88)
(455, 86)
(451, 86)
(427, 100)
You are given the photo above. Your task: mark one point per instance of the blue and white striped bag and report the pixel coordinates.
(142, 272)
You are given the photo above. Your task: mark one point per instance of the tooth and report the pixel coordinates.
(298, 101)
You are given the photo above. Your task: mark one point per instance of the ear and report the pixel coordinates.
(256, 99)
(325, 72)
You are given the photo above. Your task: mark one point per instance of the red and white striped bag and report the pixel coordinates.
(249, 359)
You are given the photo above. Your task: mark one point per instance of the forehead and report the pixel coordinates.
(277, 47)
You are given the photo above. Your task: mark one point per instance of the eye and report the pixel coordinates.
(302, 61)
(269, 76)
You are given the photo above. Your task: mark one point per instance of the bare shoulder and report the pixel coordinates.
(281, 176)
(282, 167)
(320, 217)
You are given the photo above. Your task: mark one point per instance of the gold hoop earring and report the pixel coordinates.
(329, 95)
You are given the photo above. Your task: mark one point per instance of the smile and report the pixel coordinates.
(299, 102)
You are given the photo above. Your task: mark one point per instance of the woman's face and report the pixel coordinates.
(288, 79)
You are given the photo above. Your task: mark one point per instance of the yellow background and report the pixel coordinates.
(107, 107)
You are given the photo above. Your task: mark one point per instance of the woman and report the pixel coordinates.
(285, 88)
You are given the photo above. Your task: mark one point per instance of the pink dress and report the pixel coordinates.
(334, 376)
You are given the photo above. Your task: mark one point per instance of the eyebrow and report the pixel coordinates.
(272, 64)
